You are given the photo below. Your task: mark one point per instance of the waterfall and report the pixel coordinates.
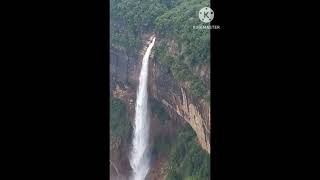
(139, 159)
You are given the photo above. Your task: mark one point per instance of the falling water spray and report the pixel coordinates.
(139, 157)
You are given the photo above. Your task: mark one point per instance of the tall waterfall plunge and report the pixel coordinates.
(139, 159)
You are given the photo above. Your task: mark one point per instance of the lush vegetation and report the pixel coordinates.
(170, 19)
(177, 23)
(187, 160)
(119, 124)
(135, 16)
(181, 72)
(130, 42)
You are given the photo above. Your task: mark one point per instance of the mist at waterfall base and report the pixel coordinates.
(139, 157)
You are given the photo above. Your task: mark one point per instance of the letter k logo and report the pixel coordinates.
(206, 14)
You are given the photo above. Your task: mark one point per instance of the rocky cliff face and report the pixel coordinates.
(179, 103)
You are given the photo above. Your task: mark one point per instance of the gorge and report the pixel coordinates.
(178, 88)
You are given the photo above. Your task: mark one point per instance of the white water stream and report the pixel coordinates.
(139, 157)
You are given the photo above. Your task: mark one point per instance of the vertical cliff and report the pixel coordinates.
(179, 84)
(174, 95)
(178, 100)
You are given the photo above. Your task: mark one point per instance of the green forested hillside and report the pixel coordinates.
(187, 160)
(119, 124)
(170, 19)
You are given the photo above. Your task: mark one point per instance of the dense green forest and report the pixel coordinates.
(170, 19)
(187, 160)
(119, 124)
